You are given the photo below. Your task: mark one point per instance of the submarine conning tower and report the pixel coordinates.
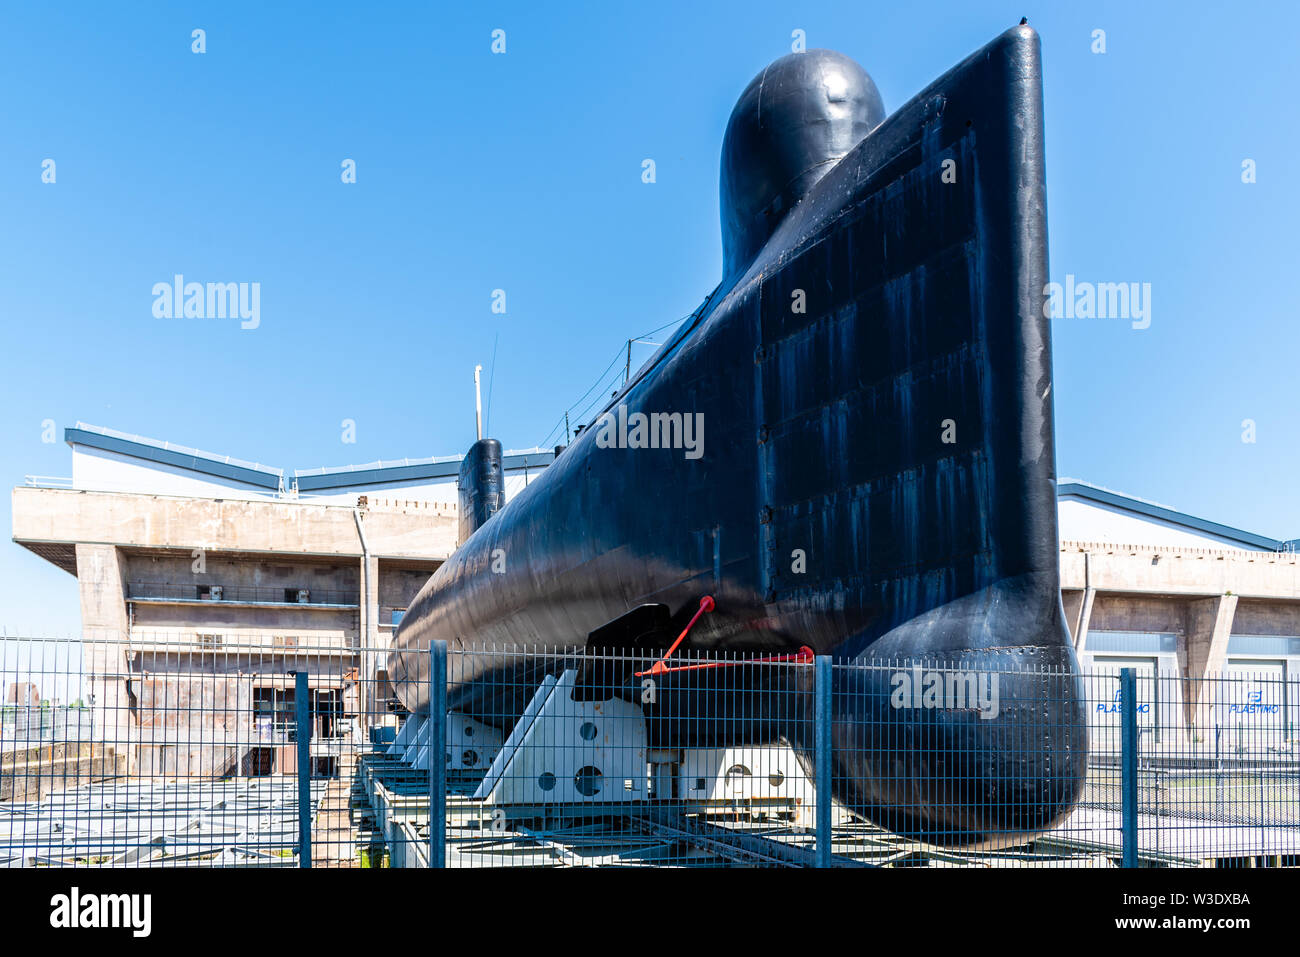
(480, 487)
(794, 121)
(825, 433)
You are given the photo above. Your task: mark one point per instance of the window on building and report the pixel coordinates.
(257, 762)
(324, 767)
(397, 616)
(327, 709)
(273, 712)
(1131, 642)
(1264, 645)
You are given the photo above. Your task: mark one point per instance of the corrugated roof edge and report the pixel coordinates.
(151, 450)
(1106, 496)
(429, 468)
(263, 476)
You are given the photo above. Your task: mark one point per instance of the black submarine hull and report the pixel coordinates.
(875, 479)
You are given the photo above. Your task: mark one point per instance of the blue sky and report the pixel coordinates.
(522, 172)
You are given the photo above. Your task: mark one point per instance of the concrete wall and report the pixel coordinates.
(398, 587)
(169, 575)
(1202, 595)
(1166, 570)
(1256, 617)
(153, 542)
(270, 573)
(394, 529)
(193, 715)
(30, 774)
(102, 581)
(1138, 613)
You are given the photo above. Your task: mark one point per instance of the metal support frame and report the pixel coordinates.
(563, 740)
(1129, 745)
(822, 747)
(302, 705)
(437, 756)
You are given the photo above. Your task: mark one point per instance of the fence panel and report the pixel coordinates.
(174, 753)
(270, 751)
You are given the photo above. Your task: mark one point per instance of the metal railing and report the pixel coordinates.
(48, 481)
(118, 753)
(246, 594)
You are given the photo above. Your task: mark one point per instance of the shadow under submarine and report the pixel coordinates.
(872, 380)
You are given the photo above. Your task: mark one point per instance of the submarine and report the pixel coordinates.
(870, 473)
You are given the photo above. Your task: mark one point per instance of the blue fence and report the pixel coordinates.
(301, 755)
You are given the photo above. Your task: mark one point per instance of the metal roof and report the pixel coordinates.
(1129, 503)
(167, 453)
(406, 470)
(251, 473)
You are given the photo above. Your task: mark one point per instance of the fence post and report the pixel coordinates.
(822, 756)
(302, 704)
(437, 754)
(1129, 762)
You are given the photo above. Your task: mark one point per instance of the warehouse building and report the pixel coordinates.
(1176, 596)
(192, 563)
(182, 553)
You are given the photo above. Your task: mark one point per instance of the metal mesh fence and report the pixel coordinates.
(268, 751)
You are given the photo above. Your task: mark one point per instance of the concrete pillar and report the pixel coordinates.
(370, 601)
(368, 661)
(1078, 614)
(1203, 652)
(101, 578)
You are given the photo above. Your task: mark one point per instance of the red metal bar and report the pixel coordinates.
(706, 604)
(804, 654)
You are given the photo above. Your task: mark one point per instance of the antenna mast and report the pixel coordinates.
(478, 404)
